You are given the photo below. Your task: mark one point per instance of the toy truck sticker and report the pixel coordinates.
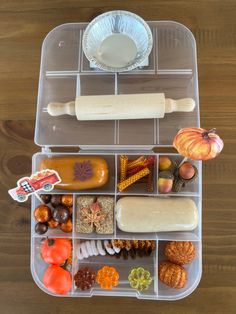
(42, 180)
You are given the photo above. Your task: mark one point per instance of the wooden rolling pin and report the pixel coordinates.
(121, 107)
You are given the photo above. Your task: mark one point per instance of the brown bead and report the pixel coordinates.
(53, 223)
(45, 198)
(41, 228)
(42, 213)
(67, 200)
(71, 210)
(61, 214)
(67, 226)
(85, 278)
(180, 252)
(173, 275)
(55, 200)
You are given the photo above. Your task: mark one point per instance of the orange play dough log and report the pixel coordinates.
(65, 166)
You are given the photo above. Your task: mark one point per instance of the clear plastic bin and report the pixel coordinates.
(65, 73)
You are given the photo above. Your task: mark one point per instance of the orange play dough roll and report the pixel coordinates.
(78, 172)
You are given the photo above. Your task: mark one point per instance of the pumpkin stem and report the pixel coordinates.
(205, 134)
(50, 242)
(65, 265)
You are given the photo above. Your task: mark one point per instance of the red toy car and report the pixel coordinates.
(43, 180)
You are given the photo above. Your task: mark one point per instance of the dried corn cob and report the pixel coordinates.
(150, 179)
(137, 162)
(124, 184)
(123, 167)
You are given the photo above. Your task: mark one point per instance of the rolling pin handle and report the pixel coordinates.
(58, 109)
(183, 105)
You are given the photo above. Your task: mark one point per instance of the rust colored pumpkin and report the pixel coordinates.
(55, 251)
(57, 280)
(198, 143)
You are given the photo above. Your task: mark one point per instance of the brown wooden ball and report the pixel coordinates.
(42, 213)
(67, 226)
(55, 200)
(53, 223)
(67, 200)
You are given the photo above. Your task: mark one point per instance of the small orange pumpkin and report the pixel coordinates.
(55, 251)
(198, 143)
(57, 280)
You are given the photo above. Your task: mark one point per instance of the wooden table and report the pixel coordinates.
(23, 25)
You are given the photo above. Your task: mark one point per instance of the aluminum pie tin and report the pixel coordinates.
(117, 22)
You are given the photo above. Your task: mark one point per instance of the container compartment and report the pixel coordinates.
(147, 66)
(194, 271)
(38, 266)
(51, 232)
(140, 186)
(66, 130)
(78, 234)
(61, 48)
(176, 47)
(157, 131)
(109, 187)
(176, 235)
(123, 267)
(55, 130)
(191, 188)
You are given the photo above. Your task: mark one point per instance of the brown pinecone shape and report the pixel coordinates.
(85, 278)
(180, 252)
(174, 276)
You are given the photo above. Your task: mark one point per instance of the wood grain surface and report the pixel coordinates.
(23, 25)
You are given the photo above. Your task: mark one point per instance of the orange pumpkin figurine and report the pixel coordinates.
(56, 251)
(198, 143)
(57, 280)
(107, 277)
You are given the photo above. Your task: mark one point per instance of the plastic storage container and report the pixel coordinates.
(65, 73)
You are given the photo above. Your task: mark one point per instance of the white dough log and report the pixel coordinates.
(121, 107)
(153, 214)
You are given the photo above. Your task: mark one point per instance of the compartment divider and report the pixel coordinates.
(73, 244)
(155, 279)
(80, 52)
(115, 193)
(116, 122)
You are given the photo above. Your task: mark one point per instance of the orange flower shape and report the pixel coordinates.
(107, 277)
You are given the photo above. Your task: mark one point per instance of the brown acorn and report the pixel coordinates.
(165, 182)
(42, 213)
(185, 174)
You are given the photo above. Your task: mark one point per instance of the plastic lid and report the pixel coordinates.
(65, 74)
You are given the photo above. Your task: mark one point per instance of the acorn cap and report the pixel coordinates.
(173, 167)
(179, 182)
(166, 174)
